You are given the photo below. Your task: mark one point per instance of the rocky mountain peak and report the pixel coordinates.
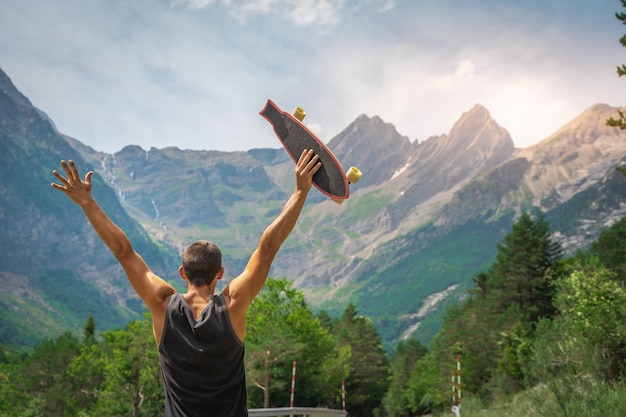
(372, 145)
(583, 129)
(573, 158)
(477, 131)
(475, 143)
(369, 132)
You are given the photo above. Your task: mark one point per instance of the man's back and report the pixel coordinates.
(202, 362)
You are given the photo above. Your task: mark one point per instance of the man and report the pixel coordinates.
(199, 335)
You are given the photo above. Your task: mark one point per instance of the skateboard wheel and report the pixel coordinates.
(299, 113)
(337, 200)
(353, 175)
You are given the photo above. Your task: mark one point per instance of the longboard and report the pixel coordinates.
(296, 137)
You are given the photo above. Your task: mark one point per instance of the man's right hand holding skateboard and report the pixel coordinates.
(307, 166)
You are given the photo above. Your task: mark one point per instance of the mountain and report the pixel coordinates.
(423, 220)
(53, 269)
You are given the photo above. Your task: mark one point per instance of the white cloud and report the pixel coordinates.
(299, 12)
(388, 6)
(302, 13)
(194, 76)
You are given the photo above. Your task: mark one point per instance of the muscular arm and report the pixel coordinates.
(153, 290)
(242, 289)
(150, 288)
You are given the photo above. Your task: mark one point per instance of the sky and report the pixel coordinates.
(195, 73)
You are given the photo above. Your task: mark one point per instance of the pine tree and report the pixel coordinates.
(610, 248)
(44, 377)
(518, 275)
(369, 367)
(402, 363)
(491, 330)
(89, 333)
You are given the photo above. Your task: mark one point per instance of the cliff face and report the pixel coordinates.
(54, 270)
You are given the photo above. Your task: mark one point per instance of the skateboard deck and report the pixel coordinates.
(295, 137)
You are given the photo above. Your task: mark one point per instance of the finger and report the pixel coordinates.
(60, 177)
(68, 173)
(88, 177)
(312, 163)
(316, 168)
(312, 169)
(301, 157)
(75, 174)
(304, 158)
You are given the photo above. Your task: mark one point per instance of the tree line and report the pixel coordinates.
(117, 373)
(535, 321)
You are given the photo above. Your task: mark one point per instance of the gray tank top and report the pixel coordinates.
(202, 362)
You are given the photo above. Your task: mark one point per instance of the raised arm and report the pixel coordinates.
(153, 290)
(242, 289)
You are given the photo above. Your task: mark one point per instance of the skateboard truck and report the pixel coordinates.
(352, 175)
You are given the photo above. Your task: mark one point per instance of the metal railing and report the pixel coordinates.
(295, 411)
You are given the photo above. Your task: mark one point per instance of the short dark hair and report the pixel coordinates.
(202, 260)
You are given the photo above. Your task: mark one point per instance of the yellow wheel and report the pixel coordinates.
(353, 175)
(299, 113)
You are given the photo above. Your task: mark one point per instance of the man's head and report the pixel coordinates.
(202, 262)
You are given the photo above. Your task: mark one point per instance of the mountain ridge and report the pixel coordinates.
(422, 221)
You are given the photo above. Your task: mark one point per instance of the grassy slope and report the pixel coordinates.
(406, 273)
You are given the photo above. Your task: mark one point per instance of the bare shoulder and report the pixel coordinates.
(163, 289)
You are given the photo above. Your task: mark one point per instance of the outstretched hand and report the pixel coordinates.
(307, 166)
(77, 190)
